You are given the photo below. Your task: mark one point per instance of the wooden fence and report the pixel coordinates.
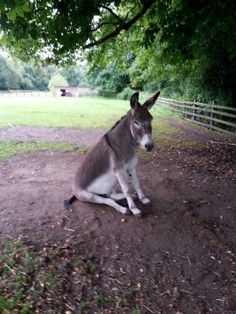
(214, 117)
(27, 93)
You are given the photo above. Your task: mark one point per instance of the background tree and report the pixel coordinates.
(38, 76)
(75, 75)
(8, 78)
(15, 74)
(109, 80)
(57, 80)
(186, 48)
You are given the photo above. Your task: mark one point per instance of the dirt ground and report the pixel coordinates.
(80, 137)
(178, 258)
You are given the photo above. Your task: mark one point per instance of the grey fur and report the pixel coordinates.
(113, 153)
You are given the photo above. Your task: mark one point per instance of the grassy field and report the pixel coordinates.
(83, 112)
(11, 148)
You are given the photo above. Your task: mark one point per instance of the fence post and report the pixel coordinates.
(193, 110)
(211, 115)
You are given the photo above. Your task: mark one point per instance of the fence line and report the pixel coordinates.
(214, 117)
(31, 93)
(193, 102)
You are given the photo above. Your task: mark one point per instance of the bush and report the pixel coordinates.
(105, 93)
(57, 80)
(126, 93)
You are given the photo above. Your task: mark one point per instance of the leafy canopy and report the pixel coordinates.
(58, 29)
(184, 46)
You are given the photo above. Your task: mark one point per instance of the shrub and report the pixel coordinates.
(105, 93)
(126, 93)
(57, 80)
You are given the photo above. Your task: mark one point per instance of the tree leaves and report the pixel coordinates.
(18, 10)
(186, 47)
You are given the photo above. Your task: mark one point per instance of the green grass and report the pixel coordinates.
(11, 148)
(164, 135)
(16, 264)
(82, 112)
(32, 277)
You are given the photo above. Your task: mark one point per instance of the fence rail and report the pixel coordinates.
(29, 93)
(214, 117)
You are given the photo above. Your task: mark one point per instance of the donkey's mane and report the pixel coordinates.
(118, 122)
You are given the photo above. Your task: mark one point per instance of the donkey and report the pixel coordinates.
(113, 160)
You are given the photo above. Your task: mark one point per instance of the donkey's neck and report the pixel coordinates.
(121, 139)
(121, 133)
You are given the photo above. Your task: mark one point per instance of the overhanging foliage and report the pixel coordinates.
(187, 47)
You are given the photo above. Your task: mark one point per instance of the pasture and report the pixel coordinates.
(82, 112)
(178, 258)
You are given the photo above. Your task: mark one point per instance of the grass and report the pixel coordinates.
(40, 280)
(164, 135)
(16, 263)
(11, 148)
(82, 112)
(50, 277)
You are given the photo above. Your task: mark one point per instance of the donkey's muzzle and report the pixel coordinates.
(149, 147)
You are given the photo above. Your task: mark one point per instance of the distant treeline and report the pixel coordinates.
(15, 74)
(30, 76)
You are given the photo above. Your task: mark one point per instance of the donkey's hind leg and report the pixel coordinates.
(86, 196)
(117, 196)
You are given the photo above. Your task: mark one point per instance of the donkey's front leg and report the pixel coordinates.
(122, 177)
(137, 187)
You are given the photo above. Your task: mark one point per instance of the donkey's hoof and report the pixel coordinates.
(137, 212)
(145, 200)
(124, 211)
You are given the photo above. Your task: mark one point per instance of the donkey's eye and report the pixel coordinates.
(137, 124)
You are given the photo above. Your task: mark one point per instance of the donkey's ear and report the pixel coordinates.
(134, 101)
(151, 101)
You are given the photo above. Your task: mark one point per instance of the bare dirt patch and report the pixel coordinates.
(75, 136)
(179, 257)
(191, 132)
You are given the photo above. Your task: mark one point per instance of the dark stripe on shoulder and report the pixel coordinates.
(110, 144)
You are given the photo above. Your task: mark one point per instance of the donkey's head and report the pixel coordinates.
(140, 124)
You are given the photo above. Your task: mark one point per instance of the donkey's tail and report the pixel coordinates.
(68, 202)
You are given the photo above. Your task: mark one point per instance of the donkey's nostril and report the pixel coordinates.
(149, 147)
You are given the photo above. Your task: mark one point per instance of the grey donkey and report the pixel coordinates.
(113, 160)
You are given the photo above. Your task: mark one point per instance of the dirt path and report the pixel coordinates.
(87, 137)
(191, 132)
(178, 258)
(79, 137)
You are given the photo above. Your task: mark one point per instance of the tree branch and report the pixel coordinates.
(112, 12)
(123, 26)
(100, 25)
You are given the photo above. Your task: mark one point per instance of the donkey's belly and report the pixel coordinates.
(103, 184)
